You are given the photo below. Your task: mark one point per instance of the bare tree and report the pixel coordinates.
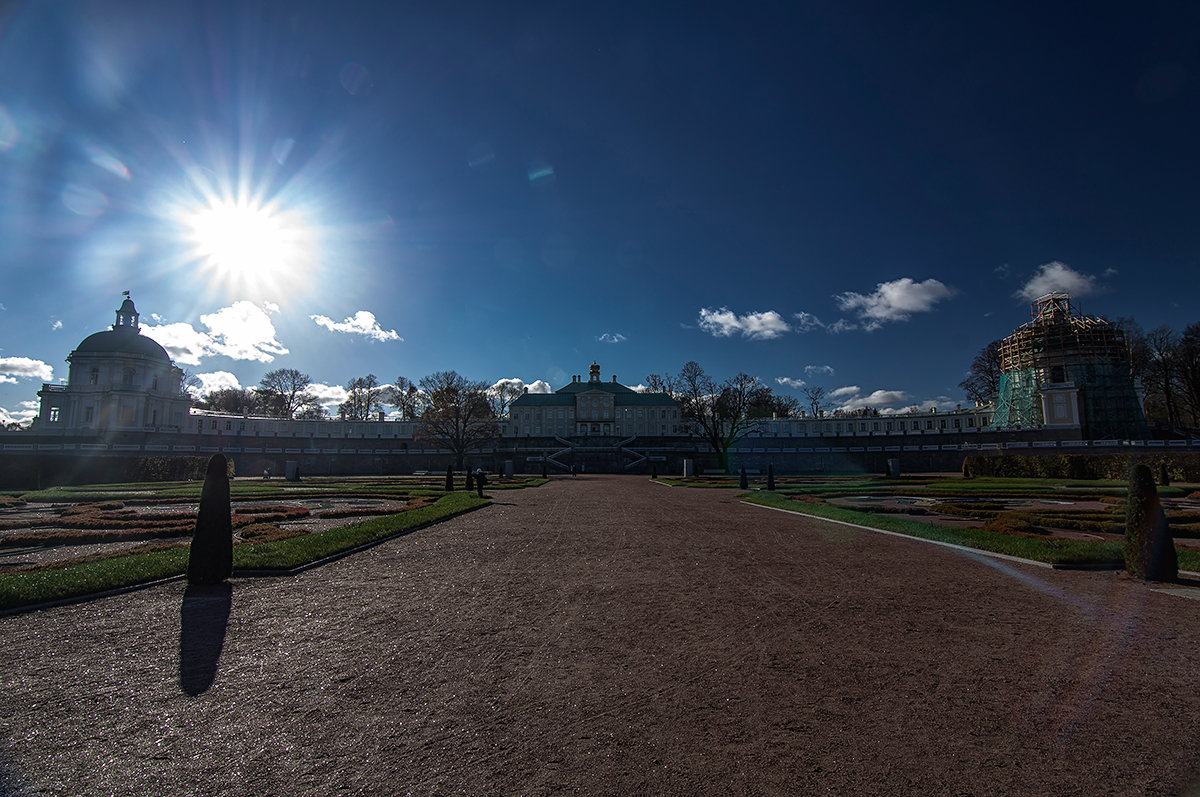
(364, 400)
(718, 414)
(1161, 377)
(457, 414)
(815, 396)
(662, 383)
(284, 392)
(983, 377)
(405, 396)
(1188, 356)
(503, 394)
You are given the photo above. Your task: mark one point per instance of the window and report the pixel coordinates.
(87, 414)
(54, 415)
(228, 426)
(154, 383)
(127, 376)
(94, 377)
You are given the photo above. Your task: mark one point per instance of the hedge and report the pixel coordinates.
(1115, 467)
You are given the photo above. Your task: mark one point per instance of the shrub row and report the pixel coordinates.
(1179, 467)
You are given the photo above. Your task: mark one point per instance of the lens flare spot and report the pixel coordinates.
(8, 130)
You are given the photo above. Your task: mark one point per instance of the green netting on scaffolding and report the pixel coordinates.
(1108, 404)
(1019, 400)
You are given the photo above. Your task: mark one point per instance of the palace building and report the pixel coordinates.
(594, 408)
(119, 379)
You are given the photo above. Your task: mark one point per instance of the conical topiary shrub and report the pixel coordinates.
(449, 478)
(210, 560)
(1149, 549)
(742, 483)
(470, 480)
(544, 476)
(771, 477)
(1164, 478)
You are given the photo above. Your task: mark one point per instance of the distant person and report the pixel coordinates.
(266, 473)
(480, 481)
(573, 469)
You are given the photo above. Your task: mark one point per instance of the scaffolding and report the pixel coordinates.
(1061, 348)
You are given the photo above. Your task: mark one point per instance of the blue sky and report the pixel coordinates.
(854, 195)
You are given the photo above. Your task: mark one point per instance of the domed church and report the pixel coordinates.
(119, 380)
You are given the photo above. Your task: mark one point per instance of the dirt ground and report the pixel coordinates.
(607, 635)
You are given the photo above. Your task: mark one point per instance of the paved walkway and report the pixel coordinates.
(606, 635)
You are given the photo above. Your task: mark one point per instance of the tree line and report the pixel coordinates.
(462, 415)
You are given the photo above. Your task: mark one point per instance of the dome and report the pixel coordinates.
(121, 341)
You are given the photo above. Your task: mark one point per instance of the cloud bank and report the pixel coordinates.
(611, 337)
(242, 331)
(14, 368)
(788, 381)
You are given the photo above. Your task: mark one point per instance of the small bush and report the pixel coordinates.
(1149, 550)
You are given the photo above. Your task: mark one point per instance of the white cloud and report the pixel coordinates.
(12, 368)
(852, 398)
(22, 417)
(57, 325)
(214, 380)
(823, 370)
(893, 301)
(1056, 276)
(537, 386)
(940, 403)
(183, 342)
(611, 337)
(807, 322)
(756, 326)
(640, 388)
(840, 326)
(328, 396)
(361, 323)
(242, 331)
(788, 381)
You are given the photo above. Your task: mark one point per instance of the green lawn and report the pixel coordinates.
(1041, 550)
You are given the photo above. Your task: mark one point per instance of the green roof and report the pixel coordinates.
(566, 396)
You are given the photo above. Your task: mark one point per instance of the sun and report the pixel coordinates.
(254, 245)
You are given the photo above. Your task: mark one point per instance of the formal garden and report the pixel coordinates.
(67, 542)
(1069, 523)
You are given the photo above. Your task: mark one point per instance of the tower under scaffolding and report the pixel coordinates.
(1066, 369)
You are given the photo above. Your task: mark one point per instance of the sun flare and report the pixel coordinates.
(251, 244)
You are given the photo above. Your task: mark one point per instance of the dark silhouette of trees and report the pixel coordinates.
(364, 399)
(503, 394)
(815, 396)
(983, 377)
(718, 414)
(405, 396)
(284, 393)
(234, 400)
(457, 414)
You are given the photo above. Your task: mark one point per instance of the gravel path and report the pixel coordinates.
(606, 635)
